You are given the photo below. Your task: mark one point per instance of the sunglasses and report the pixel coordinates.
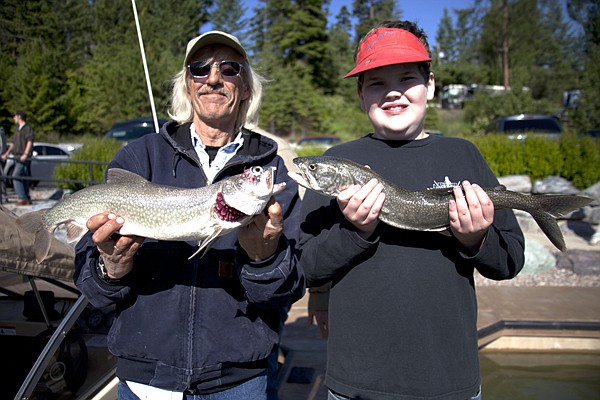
(227, 69)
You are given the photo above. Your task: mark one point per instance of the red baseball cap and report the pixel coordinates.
(388, 46)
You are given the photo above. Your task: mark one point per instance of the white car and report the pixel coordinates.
(45, 157)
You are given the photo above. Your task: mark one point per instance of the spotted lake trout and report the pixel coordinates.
(157, 211)
(427, 210)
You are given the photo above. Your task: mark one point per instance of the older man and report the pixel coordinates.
(200, 328)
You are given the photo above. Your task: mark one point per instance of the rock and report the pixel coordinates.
(592, 215)
(554, 184)
(593, 192)
(582, 262)
(538, 259)
(516, 183)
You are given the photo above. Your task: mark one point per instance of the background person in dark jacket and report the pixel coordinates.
(402, 307)
(204, 326)
(21, 149)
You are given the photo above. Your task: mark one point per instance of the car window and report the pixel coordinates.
(128, 133)
(55, 151)
(537, 125)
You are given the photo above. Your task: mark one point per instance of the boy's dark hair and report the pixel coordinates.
(424, 66)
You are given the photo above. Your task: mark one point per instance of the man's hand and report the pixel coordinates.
(260, 237)
(117, 251)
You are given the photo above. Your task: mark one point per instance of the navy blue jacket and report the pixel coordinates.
(205, 323)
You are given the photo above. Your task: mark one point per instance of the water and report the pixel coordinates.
(543, 376)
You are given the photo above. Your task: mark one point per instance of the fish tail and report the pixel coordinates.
(549, 207)
(549, 226)
(559, 205)
(33, 222)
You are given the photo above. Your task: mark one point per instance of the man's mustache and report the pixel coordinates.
(210, 90)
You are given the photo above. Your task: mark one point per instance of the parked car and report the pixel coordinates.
(595, 133)
(126, 131)
(325, 141)
(44, 158)
(519, 125)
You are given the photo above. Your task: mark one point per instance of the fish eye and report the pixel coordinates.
(312, 167)
(257, 170)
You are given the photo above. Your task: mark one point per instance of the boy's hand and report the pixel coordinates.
(361, 206)
(471, 214)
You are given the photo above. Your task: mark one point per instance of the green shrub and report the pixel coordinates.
(575, 158)
(95, 149)
(306, 151)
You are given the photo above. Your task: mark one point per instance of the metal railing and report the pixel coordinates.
(93, 180)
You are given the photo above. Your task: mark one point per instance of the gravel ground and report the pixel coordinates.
(555, 276)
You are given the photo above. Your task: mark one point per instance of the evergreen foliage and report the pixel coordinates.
(75, 65)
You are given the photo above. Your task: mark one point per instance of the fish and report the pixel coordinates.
(427, 210)
(157, 211)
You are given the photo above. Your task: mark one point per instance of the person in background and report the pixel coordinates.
(3, 147)
(21, 149)
(199, 328)
(402, 307)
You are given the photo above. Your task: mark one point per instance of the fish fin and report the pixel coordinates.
(119, 175)
(439, 191)
(548, 207)
(41, 244)
(33, 223)
(559, 205)
(278, 187)
(75, 231)
(205, 245)
(446, 232)
(549, 226)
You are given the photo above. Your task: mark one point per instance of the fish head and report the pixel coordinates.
(250, 191)
(322, 174)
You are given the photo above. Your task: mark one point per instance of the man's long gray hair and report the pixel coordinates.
(181, 106)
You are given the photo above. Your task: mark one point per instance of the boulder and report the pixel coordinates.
(516, 183)
(538, 259)
(554, 185)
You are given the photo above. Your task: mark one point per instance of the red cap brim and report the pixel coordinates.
(388, 46)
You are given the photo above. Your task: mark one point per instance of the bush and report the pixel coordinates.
(94, 149)
(572, 157)
(306, 151)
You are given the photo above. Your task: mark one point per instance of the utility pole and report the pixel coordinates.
(505, 68)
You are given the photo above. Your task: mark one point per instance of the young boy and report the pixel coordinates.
(402, 309)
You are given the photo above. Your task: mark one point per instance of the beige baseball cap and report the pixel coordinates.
(213, 37)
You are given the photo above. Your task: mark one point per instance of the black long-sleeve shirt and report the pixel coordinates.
(403, 309)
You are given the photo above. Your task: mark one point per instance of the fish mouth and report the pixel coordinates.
(303, 179)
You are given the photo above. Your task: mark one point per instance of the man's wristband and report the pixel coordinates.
(101, 270)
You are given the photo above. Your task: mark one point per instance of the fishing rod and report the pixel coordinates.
(141, 42)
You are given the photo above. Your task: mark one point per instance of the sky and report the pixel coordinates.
(426, 13)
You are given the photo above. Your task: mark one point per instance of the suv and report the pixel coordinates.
(517, 126)
(126, 131)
